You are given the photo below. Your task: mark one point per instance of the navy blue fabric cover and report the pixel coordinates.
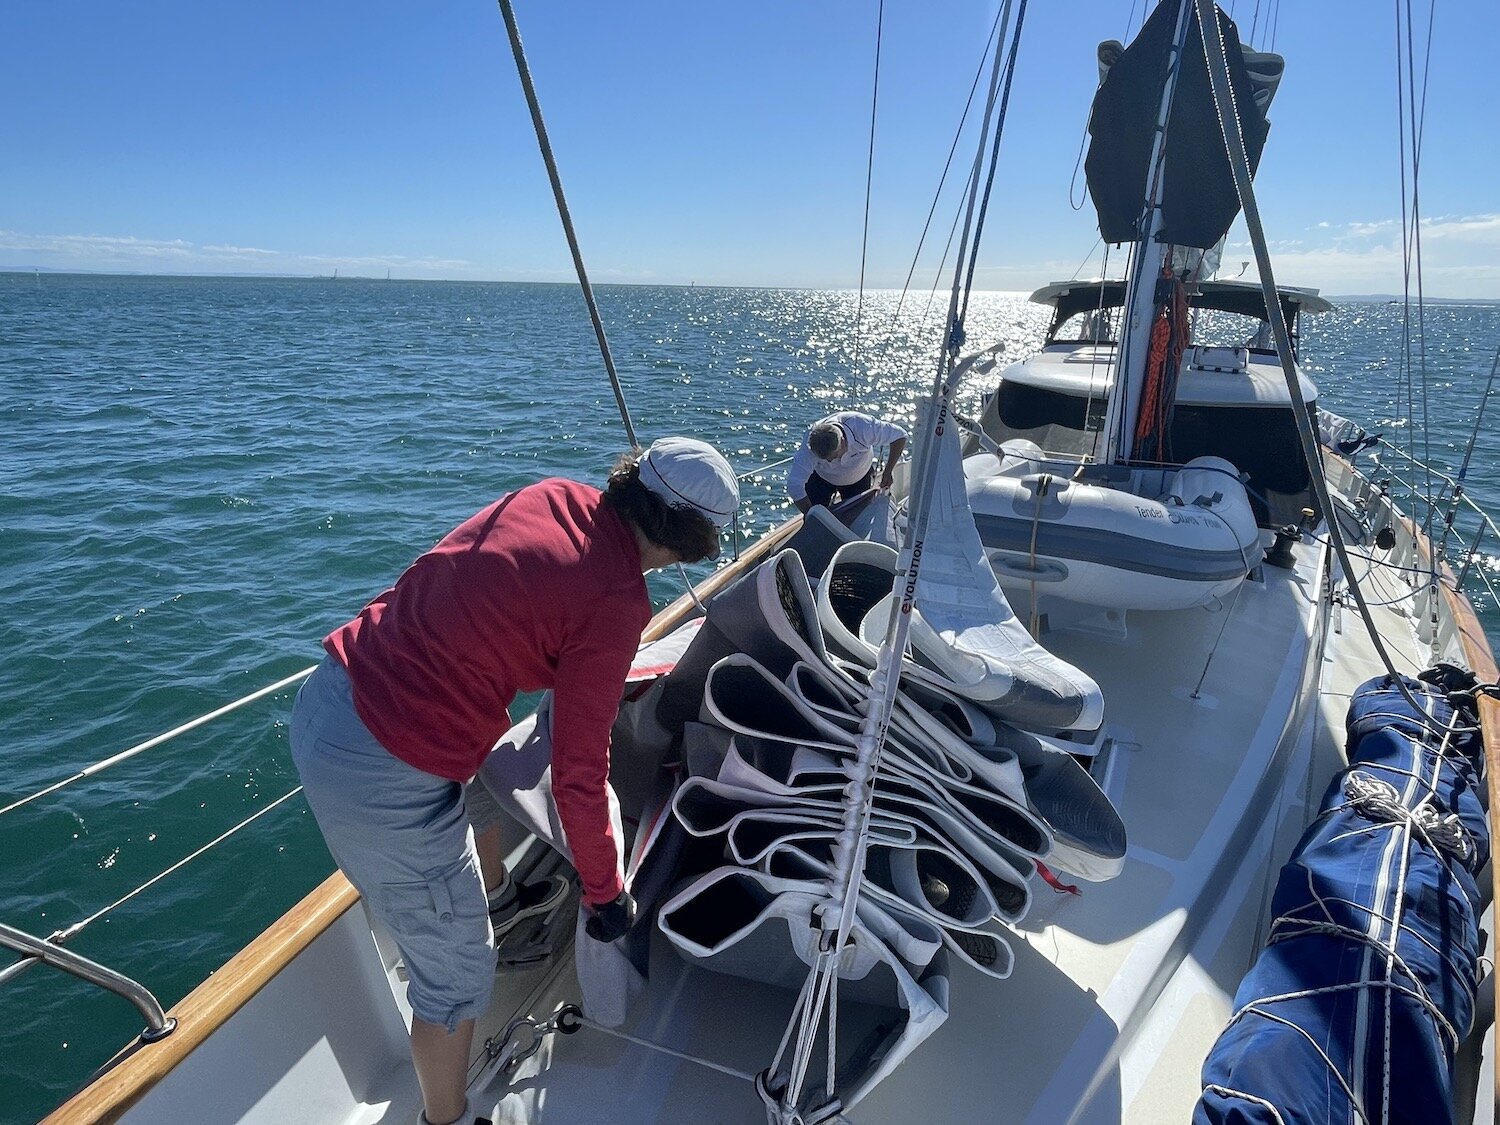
(1393, 1057)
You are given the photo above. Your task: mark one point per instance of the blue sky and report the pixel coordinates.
(702, 142)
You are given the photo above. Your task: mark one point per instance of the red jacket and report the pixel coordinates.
(542, 589)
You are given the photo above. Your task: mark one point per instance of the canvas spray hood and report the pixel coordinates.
(1199, 199)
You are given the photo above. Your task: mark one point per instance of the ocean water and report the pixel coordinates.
(202, 476)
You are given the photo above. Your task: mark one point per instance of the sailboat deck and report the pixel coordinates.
(1117, 992)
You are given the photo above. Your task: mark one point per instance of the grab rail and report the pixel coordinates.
(34, 949)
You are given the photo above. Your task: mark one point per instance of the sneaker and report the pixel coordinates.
(514, 902)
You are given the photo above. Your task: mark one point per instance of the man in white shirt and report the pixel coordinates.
(838, 458)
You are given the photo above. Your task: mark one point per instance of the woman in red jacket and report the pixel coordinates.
(543, 589)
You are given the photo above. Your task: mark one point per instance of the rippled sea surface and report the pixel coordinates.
(202, 476)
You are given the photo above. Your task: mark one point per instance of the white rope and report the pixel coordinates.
(665, 1050)
(1380, 800)
(100, 767)
(1333, 1069)
(1252, 1098)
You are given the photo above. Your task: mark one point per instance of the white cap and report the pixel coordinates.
(689, 473)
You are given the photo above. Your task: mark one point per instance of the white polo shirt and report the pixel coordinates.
(862, 435)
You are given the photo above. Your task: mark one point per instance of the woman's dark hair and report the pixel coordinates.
(684, 531)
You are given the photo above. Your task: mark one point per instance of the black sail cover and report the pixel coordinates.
(1199, 200)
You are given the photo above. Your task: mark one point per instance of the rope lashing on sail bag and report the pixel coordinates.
(819, 995)
(1239, 163)
(513, 31)
(1378, 801)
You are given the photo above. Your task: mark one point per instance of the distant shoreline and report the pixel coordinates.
(52, 271)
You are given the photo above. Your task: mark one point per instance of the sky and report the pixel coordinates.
(703, 142)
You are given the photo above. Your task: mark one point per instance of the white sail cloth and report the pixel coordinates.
(966, 637)
(518, 774)
(744, 922)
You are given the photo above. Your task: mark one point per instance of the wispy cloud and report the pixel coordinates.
(240, 251)
(1460, 256)
(129, 252)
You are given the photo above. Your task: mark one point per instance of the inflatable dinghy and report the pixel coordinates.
(1156, 539)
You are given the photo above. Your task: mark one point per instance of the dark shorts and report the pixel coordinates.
(819, 491)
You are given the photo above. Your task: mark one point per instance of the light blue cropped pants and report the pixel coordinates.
(404, 840)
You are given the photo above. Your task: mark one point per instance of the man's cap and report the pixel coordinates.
(686, 472)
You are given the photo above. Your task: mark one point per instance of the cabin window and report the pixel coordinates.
(1095, 326)
(1259, 440)
(1224, 329)
(1058, 423)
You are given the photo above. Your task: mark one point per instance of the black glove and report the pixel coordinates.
(609, 922)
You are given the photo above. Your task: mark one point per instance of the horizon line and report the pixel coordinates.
(221, 275)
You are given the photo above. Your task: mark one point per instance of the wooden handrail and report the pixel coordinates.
(209, 1006)
(674, 614)
(1481, 660)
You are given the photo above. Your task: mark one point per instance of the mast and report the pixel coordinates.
(1160, 179)
(1144, 270)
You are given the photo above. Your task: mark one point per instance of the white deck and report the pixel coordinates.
(1201, 797)
(1116, 996)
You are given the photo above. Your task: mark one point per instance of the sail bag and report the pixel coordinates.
(1366, 987)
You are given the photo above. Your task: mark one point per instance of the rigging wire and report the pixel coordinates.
(1089, 257)
(1405, 382)
(1415, 108)
(984, 206)
(943, 179)
(64, 935)
(1463, 470)
(937, 280)
(76, 927)
(141, 747)
(1484, 400)
(1218, 70)
(864, 245)
(820, 989)
(1412, 110)
(514, 32)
